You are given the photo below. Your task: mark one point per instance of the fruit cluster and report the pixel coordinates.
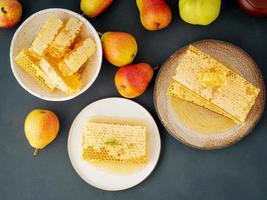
(120, 48)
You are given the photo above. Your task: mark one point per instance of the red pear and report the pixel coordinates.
(132, 80)
(154, 14)
(10, 13)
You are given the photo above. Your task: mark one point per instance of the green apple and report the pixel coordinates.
(201, 12)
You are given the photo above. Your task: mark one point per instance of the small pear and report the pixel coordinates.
(41, 128)
(132, 80)
(93, 8)
(154, 14)
(10, 13)
(119, 48)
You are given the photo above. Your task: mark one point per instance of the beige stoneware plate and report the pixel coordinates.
(240, 62)
(24, 37)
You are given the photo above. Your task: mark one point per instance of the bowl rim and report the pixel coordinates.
(98, 44)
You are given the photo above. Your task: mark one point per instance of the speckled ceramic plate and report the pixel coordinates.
(239, 61)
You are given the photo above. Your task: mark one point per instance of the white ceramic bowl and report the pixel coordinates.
(24, 37)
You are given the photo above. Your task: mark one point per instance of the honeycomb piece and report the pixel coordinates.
(175, 89)
(31, 66)
(46, 35)
(114, 142)
(74, 60)
(68, 84)
(65, 38)
(234, 95)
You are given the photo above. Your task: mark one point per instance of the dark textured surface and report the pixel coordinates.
(238, 172)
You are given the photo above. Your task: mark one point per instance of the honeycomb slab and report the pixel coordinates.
(74, 60)
(214, 86)
(31, 65)
(46, 35)
(62, 42)
(119, 143)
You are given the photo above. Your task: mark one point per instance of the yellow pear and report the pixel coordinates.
(119, 48)
(93, 8)
(41, 128)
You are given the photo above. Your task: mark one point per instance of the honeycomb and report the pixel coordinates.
(114, 142)
(214, 82)
(65, 38)
(29, 64)
(175, 89)
(46, 35)
(73, 61)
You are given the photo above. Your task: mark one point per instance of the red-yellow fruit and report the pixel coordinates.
(119, 48)
(154, 14)
(41, 128)
(10, 13)
(93, 8)
(132, 80)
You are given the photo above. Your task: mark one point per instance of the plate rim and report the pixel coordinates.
(236, 140)
(73, 164)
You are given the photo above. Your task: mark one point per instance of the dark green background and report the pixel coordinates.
(238, 172)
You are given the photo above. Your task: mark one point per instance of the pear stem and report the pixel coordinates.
(35, 152)
(100, 34)
(3, 10)
(155, 68)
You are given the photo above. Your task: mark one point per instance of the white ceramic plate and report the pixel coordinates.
(118, 108)
(24, 37)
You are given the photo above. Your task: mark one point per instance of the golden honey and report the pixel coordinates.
(200, 119)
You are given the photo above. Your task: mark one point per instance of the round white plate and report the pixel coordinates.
(118, 108)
